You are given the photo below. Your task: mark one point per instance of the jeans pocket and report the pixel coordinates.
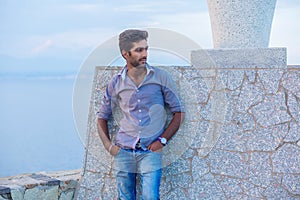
(158, 151)
(118, 152)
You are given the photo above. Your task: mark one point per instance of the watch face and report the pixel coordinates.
(163, 140)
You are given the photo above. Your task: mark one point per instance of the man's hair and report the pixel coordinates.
(127, 38)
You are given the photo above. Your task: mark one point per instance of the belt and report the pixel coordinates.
(138, 145)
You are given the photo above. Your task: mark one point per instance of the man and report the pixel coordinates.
(139, 92)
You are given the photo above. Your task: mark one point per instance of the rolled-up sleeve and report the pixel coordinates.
(105, 110)
(171, 95)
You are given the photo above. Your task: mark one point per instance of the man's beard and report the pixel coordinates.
(137, 63)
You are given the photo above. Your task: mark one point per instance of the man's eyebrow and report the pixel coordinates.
(141, 48)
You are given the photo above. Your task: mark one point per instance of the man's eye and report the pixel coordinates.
(140, 49)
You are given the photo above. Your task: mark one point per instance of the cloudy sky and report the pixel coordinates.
(53, 36)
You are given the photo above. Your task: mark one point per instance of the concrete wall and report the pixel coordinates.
(240, 139)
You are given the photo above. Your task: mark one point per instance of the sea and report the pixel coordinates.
(37, 129)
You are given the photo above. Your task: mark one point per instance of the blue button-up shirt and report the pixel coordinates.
(140, 110)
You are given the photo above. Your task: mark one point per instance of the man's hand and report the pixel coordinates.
(114, 150)
(155, 146)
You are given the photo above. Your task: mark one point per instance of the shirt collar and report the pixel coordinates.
(123, 72)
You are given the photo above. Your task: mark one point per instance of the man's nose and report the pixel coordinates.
(145, 52)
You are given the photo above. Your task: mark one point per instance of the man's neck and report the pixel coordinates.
(137, 74)
(136, 71)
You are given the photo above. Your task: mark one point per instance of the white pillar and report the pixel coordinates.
(241, 23)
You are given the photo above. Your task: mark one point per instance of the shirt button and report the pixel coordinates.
(140, 110)
(140, 131)
(137, 90)
(139, 100)
(140, 120)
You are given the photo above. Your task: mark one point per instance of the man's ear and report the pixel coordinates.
(124, 54)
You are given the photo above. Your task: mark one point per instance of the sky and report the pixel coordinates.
(55, 37)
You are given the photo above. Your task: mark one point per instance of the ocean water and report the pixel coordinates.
(37, 130)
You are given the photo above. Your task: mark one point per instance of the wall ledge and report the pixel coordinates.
(45, 185)
(249, 58)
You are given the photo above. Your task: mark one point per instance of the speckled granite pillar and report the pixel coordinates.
(241, 23)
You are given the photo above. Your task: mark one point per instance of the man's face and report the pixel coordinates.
(137, 56)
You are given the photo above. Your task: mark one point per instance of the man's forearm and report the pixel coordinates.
(169, 131)
(103, 133)
(174, 125)
(104, 136)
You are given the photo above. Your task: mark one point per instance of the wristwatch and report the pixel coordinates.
(162, 140)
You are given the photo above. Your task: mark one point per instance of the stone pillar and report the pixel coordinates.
(241, 23)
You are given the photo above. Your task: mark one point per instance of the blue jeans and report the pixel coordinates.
(130, 163)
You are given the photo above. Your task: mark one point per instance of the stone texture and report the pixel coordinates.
(93, 181)
(260, 169)
(178, 167)
(182, 180)
(4, 190)
(237, 58)
(231, 187)
(205, 187)
(286, 159)
(228, 163)
(110, 189)
(244, 121)
(291, 81)
(292, 183)
(58, 185)
(293, 106)
(47, 193)
(265, 139)
(17, 192)
(272, 110)
(199, 167)
(231, 139)
(231, 79)
(251, 75)
(293, 133)
(275, 191)
(241, 23)
(46, 180)
(216, 107)
(67, 195)
(250, 95)
(270, 80)
(177, 194)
